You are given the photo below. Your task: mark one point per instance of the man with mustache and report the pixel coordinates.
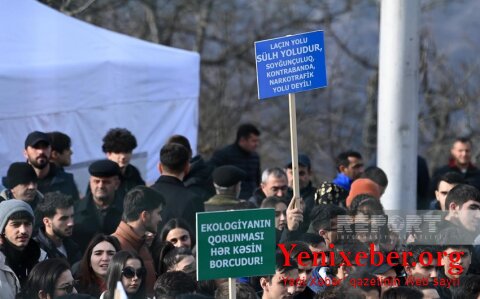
(21, 183)
(101, 210)
(50, 178)
(54, 237)
(18, 252)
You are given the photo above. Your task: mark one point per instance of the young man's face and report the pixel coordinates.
(153, 219)
(355, 168)
(25, 192)
(303, 176)
(122, 159)
(39, 155)
(442, 192)
(420, 271)
(64, 158)
(461, 259)
(250, 143)
(279, 288)
(18, 232)
(61, 224)
(468, 215)
(461, 152)
(304, 275)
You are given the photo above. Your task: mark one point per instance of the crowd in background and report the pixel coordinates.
(55, 243)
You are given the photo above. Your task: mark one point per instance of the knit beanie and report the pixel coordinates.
(11, 206)
(19, 173)
(363, 186)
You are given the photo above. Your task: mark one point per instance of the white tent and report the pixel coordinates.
(59, 73)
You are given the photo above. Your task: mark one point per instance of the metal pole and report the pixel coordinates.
(398, 102)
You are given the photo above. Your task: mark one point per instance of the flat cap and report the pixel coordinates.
(228, 175)
(104, 168)
(36, 137)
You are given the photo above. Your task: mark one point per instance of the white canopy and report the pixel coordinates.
(61, 74)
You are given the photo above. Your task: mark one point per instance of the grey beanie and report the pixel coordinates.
(8, 207)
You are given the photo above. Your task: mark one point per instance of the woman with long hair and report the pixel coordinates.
(178, 232)
(49, 279)
(128, 268)
(92, 274)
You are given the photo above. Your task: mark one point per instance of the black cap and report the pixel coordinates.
(36, 137)
(19, 173)
(228, 175)
(104, 168)
(303, 160)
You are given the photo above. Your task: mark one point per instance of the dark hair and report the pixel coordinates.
(114, 274)
(452, 178)
(244, 291)
(51, 202)
(281, 263)
(321, 216)
(43, 277)
(87, 278)
(462, 139)
(180, 139)
(21, 215)
(366, 204)
(169, 256)
(377, 175)
(272, 202)
(177, 223)
(460, 194)
(454, 237)
(365, 275)
(119, 140)
(59, 141)
(414, 252)
(139, 199)
(469, 287)
(245, 130)
(402, 293)
(342, 158)
(311, 239)
(174, 157)
(297, 247)
(171, 284)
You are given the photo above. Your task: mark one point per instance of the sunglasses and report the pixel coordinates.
(68, 289)
(130, 272)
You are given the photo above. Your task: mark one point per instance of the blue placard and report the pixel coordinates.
(290, 64)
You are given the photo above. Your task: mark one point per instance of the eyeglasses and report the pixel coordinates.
(130, 272)
(68, 289)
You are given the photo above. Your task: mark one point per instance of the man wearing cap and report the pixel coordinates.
(37, 152)
(18, 252)
(21, 183)
(307, 191)
(101, 210)
(227, 181)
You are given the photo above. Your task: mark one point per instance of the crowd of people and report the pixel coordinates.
(124, 235)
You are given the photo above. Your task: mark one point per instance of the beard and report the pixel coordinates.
(40, 162)
(61, 234)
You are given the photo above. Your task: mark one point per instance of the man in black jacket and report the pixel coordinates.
(180, 202)
(101, 210)
(50, 178)
(242, 154)
(54, 237)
